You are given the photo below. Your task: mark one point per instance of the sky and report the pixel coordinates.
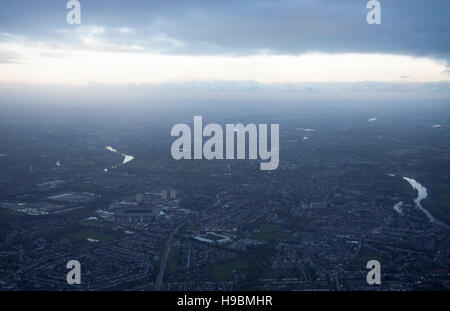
(173, 48)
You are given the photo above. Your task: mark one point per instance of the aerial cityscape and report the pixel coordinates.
(340, 197)
(252, 145)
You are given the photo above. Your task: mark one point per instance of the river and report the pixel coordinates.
(422, 194)
(126, 159)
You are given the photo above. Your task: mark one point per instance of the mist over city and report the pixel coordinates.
(224, 146)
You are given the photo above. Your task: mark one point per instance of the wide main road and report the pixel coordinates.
(158, 283)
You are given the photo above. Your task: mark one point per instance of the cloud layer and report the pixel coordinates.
(295, 48)
(413, 27)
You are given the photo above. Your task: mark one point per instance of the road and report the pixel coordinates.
(159, 279)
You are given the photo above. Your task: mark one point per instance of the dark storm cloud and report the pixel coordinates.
(413, 27)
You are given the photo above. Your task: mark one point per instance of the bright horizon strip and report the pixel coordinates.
(39, 64)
